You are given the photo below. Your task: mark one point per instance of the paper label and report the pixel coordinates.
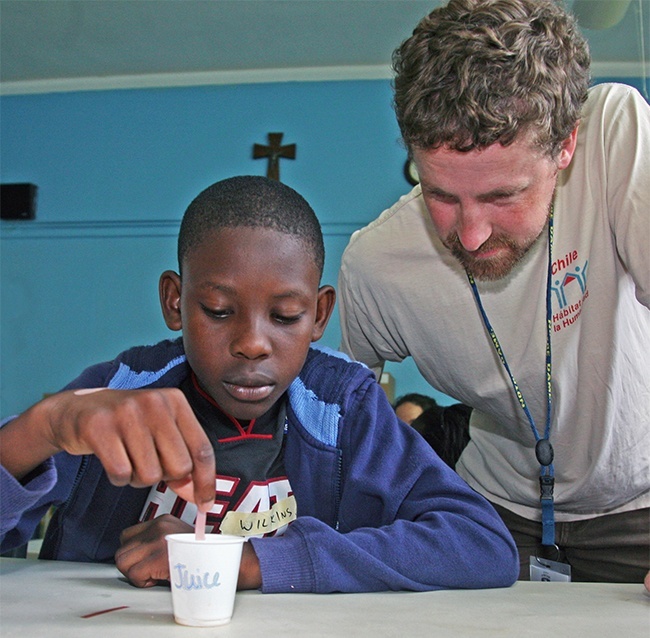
(256, 523)
(549, 571)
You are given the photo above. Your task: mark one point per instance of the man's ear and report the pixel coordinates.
(324, 308)
(567, 150)
(169, 290)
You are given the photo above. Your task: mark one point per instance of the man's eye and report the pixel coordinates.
(443, 198)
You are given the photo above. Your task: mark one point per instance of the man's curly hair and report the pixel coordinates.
(476, 72)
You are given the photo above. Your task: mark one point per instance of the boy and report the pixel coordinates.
(294, 429)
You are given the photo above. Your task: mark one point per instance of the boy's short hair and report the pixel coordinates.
(252, 201)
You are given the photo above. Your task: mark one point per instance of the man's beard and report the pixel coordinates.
(490, 268)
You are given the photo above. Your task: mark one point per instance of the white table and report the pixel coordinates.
(42, 599)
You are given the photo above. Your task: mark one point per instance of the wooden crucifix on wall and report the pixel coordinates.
(274, 151)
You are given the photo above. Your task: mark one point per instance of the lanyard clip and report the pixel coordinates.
(546, 484)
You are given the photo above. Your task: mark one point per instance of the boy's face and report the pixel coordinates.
(249, 306)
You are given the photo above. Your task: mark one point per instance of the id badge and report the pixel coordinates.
(542, 569)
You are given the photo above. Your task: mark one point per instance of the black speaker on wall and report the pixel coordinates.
(17, 201)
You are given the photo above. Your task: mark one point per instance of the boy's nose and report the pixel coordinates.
(251, 341)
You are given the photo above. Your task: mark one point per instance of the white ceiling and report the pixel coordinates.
(76, 44)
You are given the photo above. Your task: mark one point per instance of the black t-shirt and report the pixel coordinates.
(252, 493)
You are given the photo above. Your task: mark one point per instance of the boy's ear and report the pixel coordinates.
(324, 308)
(169, 290)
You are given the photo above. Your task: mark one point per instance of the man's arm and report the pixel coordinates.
(627, 143)
(354, 342)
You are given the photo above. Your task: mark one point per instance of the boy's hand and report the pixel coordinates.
(250, 575)
(140, 436)
(142, 556)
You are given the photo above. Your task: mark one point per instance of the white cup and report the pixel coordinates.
(203, 576)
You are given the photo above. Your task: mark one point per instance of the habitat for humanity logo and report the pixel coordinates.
(569, 287)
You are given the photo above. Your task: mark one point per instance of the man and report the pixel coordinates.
(517, 275)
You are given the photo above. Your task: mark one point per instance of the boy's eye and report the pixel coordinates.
(217, 313)
(287, 320)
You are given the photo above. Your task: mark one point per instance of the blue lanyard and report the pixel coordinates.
(543, 447)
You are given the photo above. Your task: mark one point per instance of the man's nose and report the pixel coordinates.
(474, 227)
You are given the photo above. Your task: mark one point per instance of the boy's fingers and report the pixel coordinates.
(131, 532)
(140, 437)
(163, 441)
(142, 555)
(201, 451)
(122, 440)
(142, 563)
(183, 487)
(146, 465)
(203, 477)
(109, 447)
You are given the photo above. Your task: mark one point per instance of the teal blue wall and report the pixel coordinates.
(115, 171)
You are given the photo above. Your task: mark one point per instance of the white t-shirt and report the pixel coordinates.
(403, 294)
